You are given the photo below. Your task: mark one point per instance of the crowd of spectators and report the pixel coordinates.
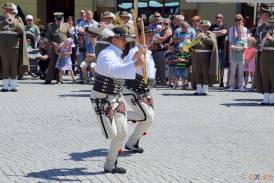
(236, 47)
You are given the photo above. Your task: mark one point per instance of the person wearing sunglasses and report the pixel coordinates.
(163, 40)
(220, 30)
(238, 35)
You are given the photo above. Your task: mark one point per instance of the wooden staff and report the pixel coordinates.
(141, 46)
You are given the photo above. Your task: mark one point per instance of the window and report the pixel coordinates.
(148, 7)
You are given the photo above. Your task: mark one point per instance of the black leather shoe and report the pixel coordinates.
(14, 90)
(203, 94)
(47, 82)
(116, 170)
(263, 103)
(196, 94)
(271, 104)
(135, 149)
(4, 90)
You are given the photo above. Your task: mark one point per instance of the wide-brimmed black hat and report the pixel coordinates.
(117, 32)
(94, 30)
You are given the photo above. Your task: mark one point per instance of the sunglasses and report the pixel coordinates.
(237, 20)
(157, 16)
(165, 24)
(195, 20)
(29, 20)
(218, 17)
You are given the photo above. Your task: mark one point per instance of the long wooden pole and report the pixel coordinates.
(141, 46)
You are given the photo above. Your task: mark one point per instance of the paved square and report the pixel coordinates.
(48, 134)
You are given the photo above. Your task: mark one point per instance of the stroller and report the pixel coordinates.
(33, 54)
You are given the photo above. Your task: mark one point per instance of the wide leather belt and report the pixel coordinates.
(202, 51)
(108, 85)
(137, 85)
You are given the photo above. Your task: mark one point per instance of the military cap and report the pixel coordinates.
(205, 23)
(58, 14)
(9, 6)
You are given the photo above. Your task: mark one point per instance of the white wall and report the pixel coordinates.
(209, 10)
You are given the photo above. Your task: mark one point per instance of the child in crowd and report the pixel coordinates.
(90, 59)
(249, 57)
(64, 62)
(29, 45)
(182, 59)
(170, 58)
(157, 34)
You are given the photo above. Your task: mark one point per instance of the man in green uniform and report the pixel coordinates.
(57, 32)
(13, 49)
(205, 59)
(265, 63)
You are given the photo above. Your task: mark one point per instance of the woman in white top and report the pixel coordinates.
(238, 35)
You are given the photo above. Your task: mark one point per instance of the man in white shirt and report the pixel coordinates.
(137, 95)
(106, 96)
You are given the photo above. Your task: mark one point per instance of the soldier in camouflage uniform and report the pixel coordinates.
(13, 50)
(265, 61)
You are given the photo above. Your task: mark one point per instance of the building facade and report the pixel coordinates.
(43, 9)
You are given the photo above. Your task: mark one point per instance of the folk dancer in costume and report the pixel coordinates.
(138, 97)
(205, 59)
(106, 96)
(13, 48)
(265, 66)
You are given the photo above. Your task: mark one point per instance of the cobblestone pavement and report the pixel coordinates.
(48, 134)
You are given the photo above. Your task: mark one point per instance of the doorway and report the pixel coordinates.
(65, 6)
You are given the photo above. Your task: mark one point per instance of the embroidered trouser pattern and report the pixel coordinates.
(112, 112)
(143, 113)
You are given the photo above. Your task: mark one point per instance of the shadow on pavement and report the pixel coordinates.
(249, 99)
(81, 156)
(242, 105)
(177, 94)
(74, 95)
(81, 90)
(60, 174)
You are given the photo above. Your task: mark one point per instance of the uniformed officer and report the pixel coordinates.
(57, 32)
(265, 62)
(13, 48)
(205, 61)
(137, 95)
(106, 96)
